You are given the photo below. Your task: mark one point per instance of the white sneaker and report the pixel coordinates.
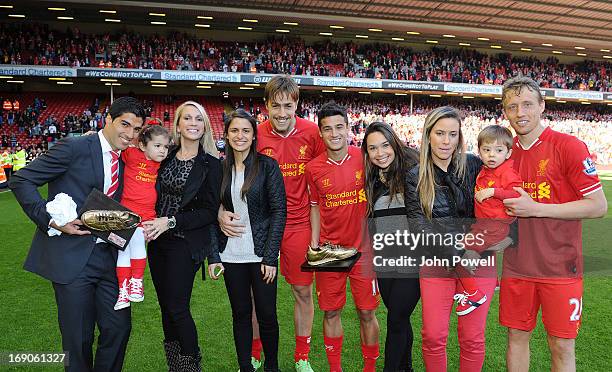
(136, 290)
(123, 301)
(303, 366)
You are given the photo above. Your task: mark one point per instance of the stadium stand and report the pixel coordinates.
(38, 45)
(55, 110)
(593, 125)
(75, 113)
(215, 109)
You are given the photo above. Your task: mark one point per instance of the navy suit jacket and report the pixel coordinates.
(75, 167)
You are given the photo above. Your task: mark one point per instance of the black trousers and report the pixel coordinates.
(400, 296)
(173, 271)
(8, 172)
(87, 301)
(240, 278)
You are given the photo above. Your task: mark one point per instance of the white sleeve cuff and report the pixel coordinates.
(52, 231)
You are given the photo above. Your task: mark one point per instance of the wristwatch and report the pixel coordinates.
(171, 222)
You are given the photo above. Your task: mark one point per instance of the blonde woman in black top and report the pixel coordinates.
(187, 203)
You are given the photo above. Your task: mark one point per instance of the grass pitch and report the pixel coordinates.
(28, 315)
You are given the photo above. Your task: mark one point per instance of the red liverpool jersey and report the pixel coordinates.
(139, 176)
(502, 179)
(556, 168)
(338, 189)
(292, 152)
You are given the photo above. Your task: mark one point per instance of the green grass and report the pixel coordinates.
(28, 316)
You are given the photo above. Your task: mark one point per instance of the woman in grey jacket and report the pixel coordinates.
(253, 188)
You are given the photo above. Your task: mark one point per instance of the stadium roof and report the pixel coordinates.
(570, 27)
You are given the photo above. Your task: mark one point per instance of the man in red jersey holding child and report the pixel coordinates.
(560, 187)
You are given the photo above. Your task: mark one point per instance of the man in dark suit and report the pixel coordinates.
(81, 267)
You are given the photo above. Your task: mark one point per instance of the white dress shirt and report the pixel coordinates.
(107, 158)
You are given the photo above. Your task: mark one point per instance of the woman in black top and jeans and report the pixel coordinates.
(187, 203)
(252, 187)
(387, 160)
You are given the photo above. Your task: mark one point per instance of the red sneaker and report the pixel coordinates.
(466, 303)
(123, 300)
(136, 290)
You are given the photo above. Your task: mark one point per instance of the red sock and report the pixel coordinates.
(256, 348)
(138, 267)
(123, 273)
(370, 354)
(467, 280)
(333, 349)
(302, 348)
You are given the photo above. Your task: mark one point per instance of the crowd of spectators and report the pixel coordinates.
(27, 123)
(592, 125)
(39, 45)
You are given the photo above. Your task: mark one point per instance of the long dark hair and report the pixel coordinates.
(405, 158)
(230, 161)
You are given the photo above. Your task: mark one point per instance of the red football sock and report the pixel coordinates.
(256, 348)
(467, 280)
(370, 354)
(333, 349)
(302, 348)
(138, 267)
(123, 273)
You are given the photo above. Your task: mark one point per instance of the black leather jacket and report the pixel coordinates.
(199, 205)
(267, 203)
(453, 208)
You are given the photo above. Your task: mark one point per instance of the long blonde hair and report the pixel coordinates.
(427, 178)
(207, 141)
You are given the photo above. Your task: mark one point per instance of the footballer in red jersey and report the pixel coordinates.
(292, 151)
(560, 187)
(292, 142)
(338, 215)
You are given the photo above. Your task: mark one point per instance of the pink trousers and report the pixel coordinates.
(437, 300)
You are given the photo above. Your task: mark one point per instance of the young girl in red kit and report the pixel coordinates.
(139, 195)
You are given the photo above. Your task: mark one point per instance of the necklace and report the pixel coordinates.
(185, 156)
(381, 177)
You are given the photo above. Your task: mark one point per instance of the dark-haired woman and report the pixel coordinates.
(253, 188)
(387, 160)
